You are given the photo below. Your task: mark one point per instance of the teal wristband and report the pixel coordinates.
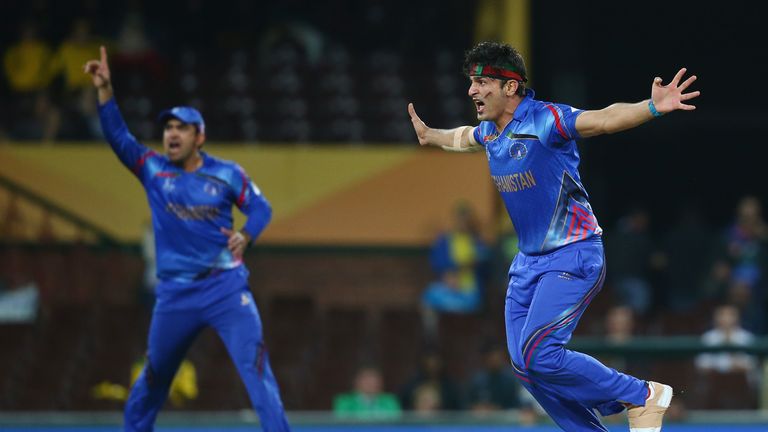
(653, 110)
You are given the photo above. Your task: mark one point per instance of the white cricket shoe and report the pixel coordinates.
(648, 418)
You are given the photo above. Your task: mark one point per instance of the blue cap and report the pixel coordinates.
(185, 114)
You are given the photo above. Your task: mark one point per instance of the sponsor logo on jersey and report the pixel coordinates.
(244, 300)
(166, 174)
(201, 212)
(169, 185)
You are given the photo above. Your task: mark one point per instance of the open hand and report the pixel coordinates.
(418, 125)
(670, 97)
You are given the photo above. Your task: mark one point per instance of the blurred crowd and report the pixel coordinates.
(289, 72)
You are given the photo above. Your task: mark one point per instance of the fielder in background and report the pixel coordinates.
(202, 279)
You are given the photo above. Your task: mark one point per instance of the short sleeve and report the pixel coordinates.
(484, 132)
(559, 124)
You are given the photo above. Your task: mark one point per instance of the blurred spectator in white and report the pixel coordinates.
(19, 301)
(728, 379)
(727, 331)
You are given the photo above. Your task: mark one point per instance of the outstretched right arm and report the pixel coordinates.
(460, 139)
(131, 153)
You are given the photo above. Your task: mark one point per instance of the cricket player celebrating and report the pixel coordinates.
(202, 279)
(533, 159)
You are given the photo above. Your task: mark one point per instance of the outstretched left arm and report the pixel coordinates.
(623, 116)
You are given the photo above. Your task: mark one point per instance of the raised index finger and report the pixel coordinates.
(412, 112)
(103, 55)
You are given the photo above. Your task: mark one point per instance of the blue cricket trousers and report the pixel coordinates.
(546, 296)
(175, 324)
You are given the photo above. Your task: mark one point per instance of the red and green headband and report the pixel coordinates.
(506, 72)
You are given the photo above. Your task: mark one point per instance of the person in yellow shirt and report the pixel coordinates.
(183, 387)
(72, 54)
(27, 62)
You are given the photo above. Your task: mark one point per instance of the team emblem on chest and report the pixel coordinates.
(169, 184)
(211, 189)
(518, 150)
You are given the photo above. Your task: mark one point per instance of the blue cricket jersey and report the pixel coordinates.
(534, 165)
(188, 208)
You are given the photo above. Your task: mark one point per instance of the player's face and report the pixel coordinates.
(488, 96)
(181, 140)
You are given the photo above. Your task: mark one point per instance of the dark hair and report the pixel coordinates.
(498, 55)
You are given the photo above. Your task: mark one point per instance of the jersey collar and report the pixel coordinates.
(525, 104)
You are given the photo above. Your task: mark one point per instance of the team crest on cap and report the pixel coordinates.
(518, 150)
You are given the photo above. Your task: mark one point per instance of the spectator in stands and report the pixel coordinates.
(27, 65)
(629, 251)
(461, 248)
(136, 52)
(743, 263)
(619, 331)
(72, 54)
(458, 258)
(368, 399)
(426, 400)
(619, 325)
(27, 62)
(727, 330)
(494, 387)
(431, 373)
(688, 249)
(80, 120)
(183, 387)
(446, 295)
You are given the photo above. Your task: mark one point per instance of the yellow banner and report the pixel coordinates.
(320, 195)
